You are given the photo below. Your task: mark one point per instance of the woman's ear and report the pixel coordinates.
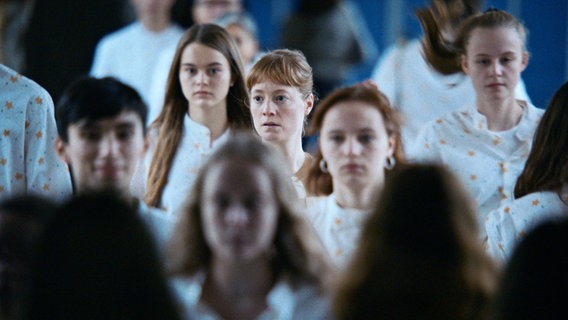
(464, 64)
(309, 104)
(392, 144)
(525, 61)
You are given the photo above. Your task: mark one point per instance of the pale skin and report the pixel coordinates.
(355, 144)
(205, 78)
(104, 154)
(153, 14)
(239, 217)
(206, 11)
(278, 113)
(494, 60)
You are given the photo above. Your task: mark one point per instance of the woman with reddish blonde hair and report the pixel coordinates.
(281, 90)
(359, 143)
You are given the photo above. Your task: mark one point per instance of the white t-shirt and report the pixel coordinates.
(130, 55)
(284, 302)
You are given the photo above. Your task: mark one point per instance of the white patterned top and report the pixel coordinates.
(421, 93)
(487, 162)
(193, 151)
(338, 228)
(28, 162)
(507, 225)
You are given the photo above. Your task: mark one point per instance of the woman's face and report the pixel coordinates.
(205, 77)
(355, 144)
(246, 42)
(278, 111)
(494, 60)
(239, 211)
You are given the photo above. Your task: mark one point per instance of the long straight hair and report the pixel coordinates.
(169, 123)
(546, 168)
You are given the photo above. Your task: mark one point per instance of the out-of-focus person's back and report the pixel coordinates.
(22, 220)
(419, 255)
(97, 260)
(535, 282)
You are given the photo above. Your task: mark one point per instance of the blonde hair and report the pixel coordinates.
(298, 254)
(169, 123)
(444, 54)
(320, 183)
(283, 66)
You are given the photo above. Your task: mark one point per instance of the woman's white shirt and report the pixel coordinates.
(487, 162)
(338, 228)
(507, 225)
(421, 93)
(194, 149)
(284, 301)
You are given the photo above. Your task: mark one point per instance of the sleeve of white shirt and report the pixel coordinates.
(45, 173)
(385, 72)
(101, 59)
(493, 226)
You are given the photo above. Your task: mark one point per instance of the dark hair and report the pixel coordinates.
(170, 120)
(546, 168)
(93, 99)
(97, 260)
(419, 255)
(444, 54)
(320, 183)
(29, 206)
(23, 220)
(535, 281)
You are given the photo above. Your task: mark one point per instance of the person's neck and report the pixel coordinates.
(362, 198)
(155, 23)
(501, 115)
(237, 280)
(293, 153)
(215, 120)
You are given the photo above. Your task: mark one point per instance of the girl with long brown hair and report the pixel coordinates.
(206, 100)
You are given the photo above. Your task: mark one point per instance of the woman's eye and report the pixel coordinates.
(366, 138)
(257, 99)
(280, 98)
(336, 138)
(252, 204)
(221, 202)
(507, 60)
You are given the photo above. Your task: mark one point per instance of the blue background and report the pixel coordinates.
(546, 20)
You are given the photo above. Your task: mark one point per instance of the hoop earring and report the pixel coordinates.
(323, 166)
(390, 162)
